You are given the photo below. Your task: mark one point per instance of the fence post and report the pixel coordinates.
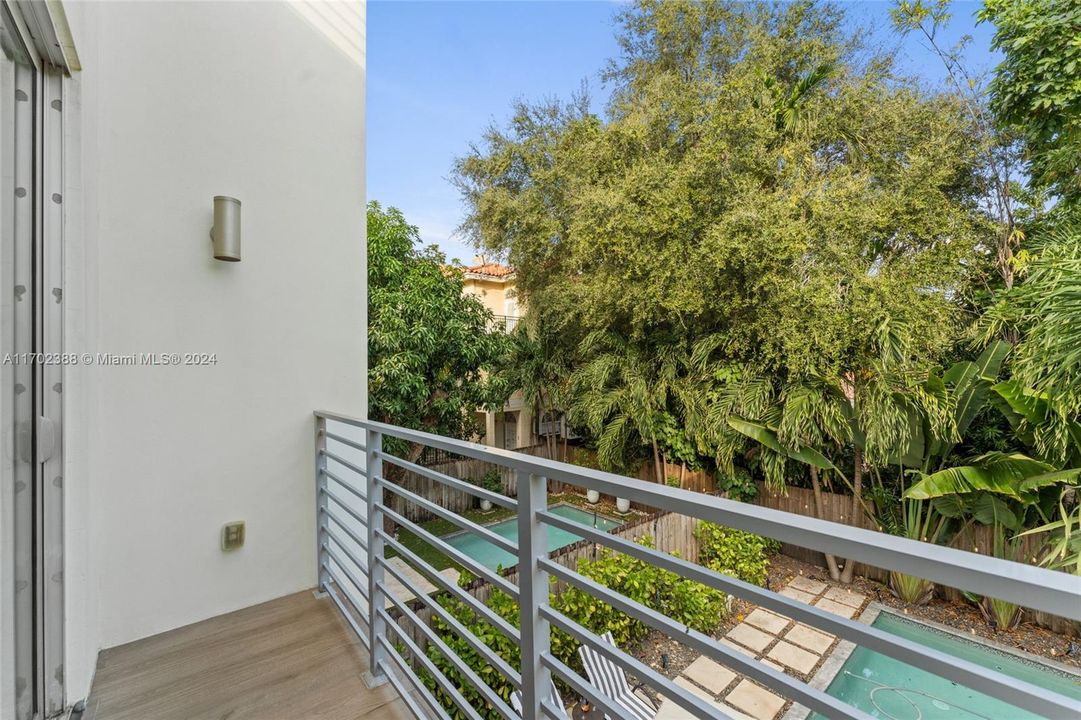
(321, 506)
(376, 625)
(533, 592)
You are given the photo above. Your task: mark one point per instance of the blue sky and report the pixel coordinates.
(438, 73)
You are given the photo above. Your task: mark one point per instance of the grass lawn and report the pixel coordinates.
(440, 527)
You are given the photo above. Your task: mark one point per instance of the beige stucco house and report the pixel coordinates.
(492, 283)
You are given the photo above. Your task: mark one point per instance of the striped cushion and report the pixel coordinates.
(611, 681)
(516, 699)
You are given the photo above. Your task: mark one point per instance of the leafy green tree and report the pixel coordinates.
(430, 351)
(703, 203)
(1036, 90)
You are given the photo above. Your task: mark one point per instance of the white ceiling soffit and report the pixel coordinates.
(339, 21)
(48, 28)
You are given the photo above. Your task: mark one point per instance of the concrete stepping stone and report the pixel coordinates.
(791, 656)
(690, 686)
(767, 621)
(837, 608)
(804, 597)
(749, 636)
(807, 585)
(737, 646)
(807, 637)
(845, 596)
(709, 674)
(755, 700)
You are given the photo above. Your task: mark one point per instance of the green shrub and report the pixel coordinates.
(688, 603)
(740, 485)
(734, 552)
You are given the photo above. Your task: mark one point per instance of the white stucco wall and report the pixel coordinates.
(176, 103)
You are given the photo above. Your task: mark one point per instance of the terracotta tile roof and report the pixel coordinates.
(491, 270)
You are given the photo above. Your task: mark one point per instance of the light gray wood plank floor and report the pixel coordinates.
(292, 658)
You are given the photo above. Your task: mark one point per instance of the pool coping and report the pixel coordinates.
(836, 660)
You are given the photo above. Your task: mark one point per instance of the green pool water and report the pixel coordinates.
(493, 557)
(890, 689)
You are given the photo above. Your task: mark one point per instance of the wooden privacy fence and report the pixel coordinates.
(458, 501)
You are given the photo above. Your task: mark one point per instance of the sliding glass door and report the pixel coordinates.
(31, 494)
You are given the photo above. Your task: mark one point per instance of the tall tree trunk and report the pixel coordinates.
(682, 473)
(658, 473)
(857, 508)
(831, 561)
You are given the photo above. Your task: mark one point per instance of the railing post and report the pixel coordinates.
(376, 626)
(533, 592)
(321, 505)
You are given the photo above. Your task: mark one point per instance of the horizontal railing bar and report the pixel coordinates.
(433, 576)
(342, 461)
(490, 655)
(580, 686)
(424, 660)
(420, 688)
(362, 564)
(472, 565)
(332, 593)
(363, 520)
(1037, 588)
(362, 542)
(460, 665)
(790, 687)
(362, 587)
(343, 590)
(453, 518)
(977, 677)
(690, 702)
(361, 494)
(346, 441)
(444, 479)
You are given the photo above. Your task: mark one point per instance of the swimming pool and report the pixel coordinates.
(890, 689)
(493, 557)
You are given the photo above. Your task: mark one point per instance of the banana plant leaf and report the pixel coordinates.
(768, 436)
(990, 510)
(972, 382)
(998, 473)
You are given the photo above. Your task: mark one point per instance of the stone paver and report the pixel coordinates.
(796, 658)
(804, 597)
(737, 646)
(808, 637)
(400, 591)
(688, 685)
(837, 608)
(747, 635)
(845, 596)
(807, 585)
(709, 674)
(756, 701)
(767, 621)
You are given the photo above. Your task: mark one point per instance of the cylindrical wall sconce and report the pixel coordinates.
(225, 235)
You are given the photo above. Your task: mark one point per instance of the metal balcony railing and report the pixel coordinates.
(506, 323)
(352, 519)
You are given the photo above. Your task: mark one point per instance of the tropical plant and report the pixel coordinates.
(538, 364)
(628, 395)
